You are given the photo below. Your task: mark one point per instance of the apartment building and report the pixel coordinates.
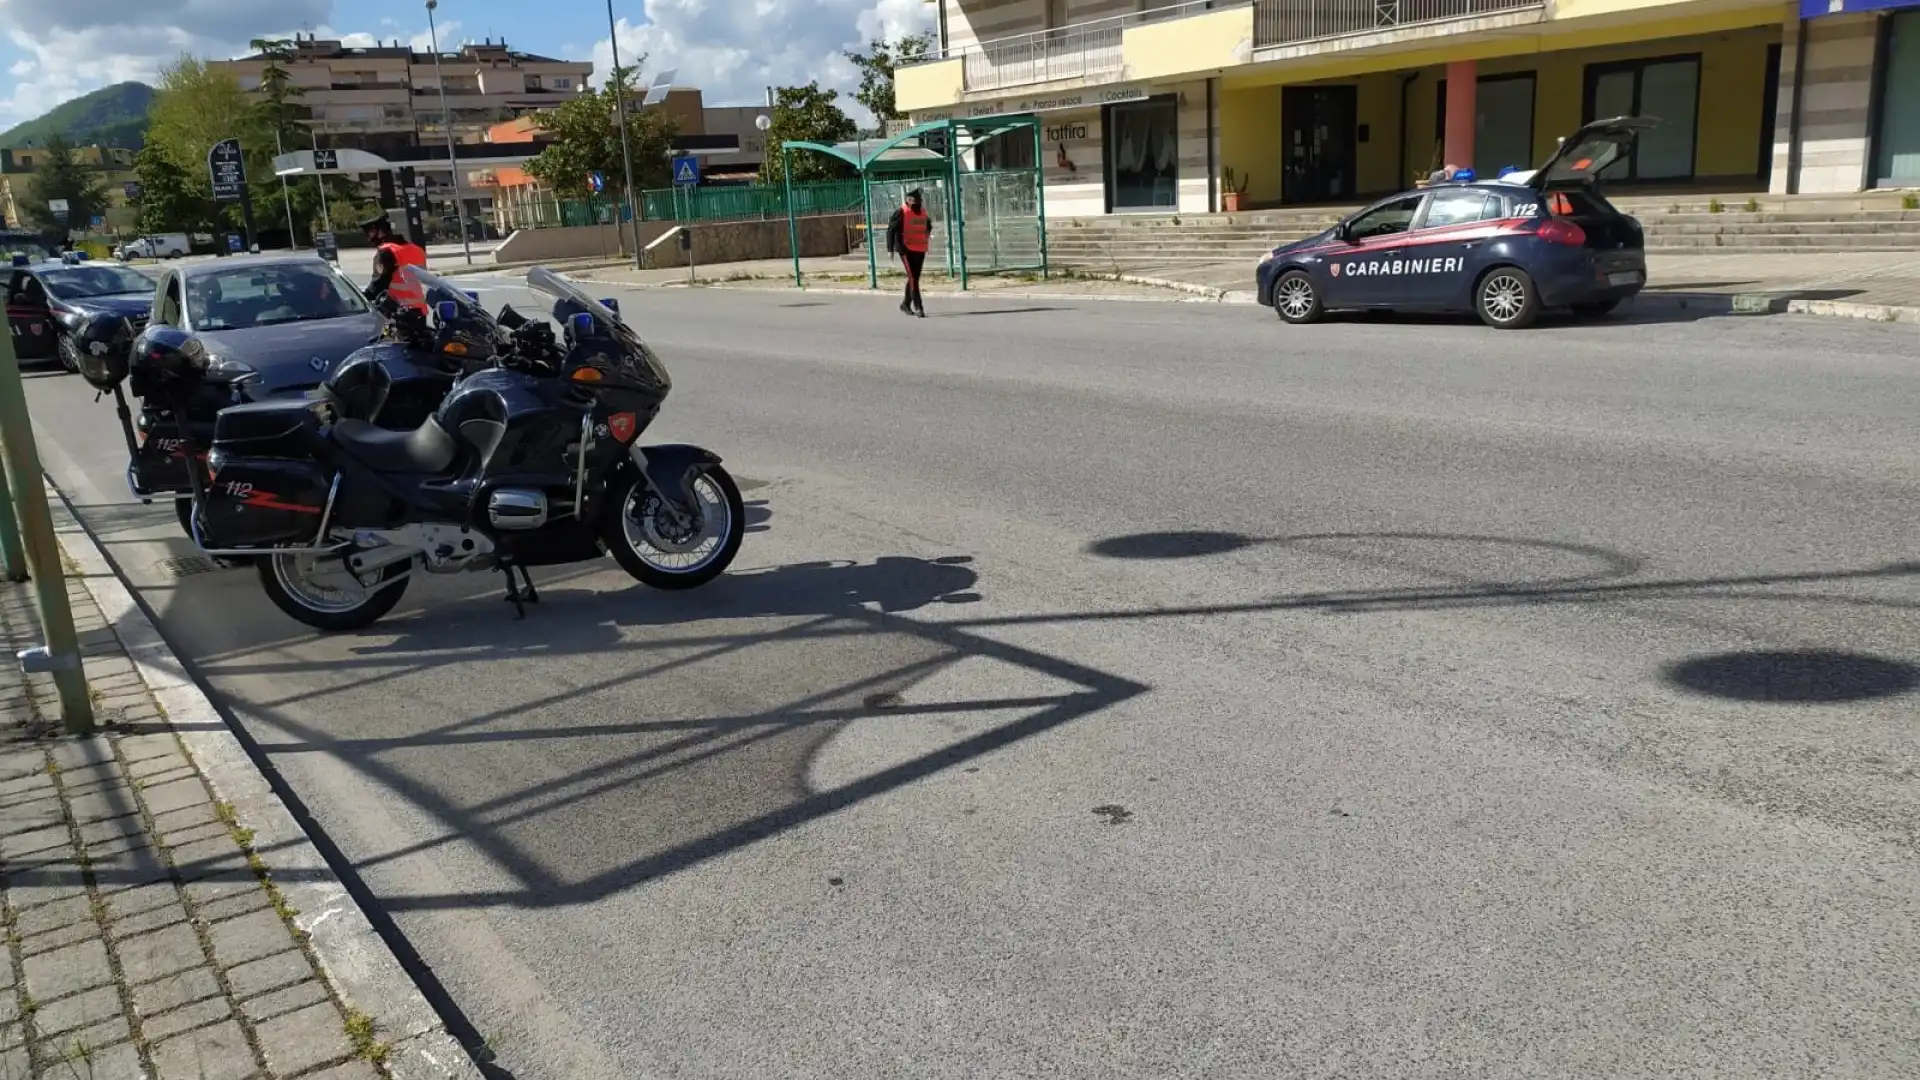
(1148, 105)
(113, 164)
(387, 97)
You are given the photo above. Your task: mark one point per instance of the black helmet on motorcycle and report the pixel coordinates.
(360, 387)
(104, 344)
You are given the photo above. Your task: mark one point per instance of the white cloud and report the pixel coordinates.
(69, 48)
(734, 50)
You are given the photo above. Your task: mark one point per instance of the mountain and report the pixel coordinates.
(112, 116)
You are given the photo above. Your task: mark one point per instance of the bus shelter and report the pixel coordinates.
(986, 220)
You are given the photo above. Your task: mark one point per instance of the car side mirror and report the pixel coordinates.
(1344, 231)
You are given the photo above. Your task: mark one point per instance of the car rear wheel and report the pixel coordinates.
(1596, 310)
(1296, 300)
(1507, 299)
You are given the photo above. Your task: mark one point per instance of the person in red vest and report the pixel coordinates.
(908, 233)
(391, 252)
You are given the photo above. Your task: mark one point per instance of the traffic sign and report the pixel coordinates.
(132, 189)
(326, 160)
(686, 169)
(59, 208)
(227, 166)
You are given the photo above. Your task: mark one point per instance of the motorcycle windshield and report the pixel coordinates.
(438, 288)
(646, 366)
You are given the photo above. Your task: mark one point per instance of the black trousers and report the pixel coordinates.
(914, 260)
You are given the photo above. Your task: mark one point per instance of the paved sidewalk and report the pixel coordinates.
(164, 913)
(144, 936)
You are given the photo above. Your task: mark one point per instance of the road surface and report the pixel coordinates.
(1152, 690)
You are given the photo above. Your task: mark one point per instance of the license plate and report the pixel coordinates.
(1626, 277)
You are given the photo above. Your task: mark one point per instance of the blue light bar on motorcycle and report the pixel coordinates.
(581, 323)
(447, 310)
(612, 304)
(473, 296)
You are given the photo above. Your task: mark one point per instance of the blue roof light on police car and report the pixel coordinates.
(1463, 176)
(21, 260)
(1507, 170)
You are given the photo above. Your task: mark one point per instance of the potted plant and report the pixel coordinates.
(1233, 188)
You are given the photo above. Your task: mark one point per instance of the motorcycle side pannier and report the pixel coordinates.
(258, 502)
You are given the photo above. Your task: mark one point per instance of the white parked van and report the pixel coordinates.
(155, 246)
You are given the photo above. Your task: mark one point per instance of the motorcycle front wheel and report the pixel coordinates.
(663, 554)
(321, 592)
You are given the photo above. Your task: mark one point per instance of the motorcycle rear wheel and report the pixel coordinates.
(633, 532)
(288, 581)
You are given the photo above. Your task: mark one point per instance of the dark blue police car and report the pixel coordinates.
(1505, 249)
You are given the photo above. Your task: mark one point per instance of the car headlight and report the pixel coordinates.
(72, 320)
(1266, 258)
(230, 370)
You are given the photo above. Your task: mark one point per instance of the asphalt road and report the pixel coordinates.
(1152, 690)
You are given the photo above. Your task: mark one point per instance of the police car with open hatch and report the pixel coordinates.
(1505, 249)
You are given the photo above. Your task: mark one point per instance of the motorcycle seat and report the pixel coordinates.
(425, 450)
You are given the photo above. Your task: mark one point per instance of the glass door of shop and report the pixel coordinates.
(1502, 123)
(1667, 89)
(1318, 126)
(1896, 140)
(1143, 155)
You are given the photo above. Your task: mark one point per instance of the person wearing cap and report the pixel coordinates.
(908, 233)
(392, 252)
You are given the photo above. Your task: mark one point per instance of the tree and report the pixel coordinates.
(60, 176)
(807, 114)
(283, 118)
(876, 67)
(586, 139)
(198, 106)
(168, 200)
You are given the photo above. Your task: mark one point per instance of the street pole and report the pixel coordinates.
(446, 119)
(326, 215)
(28, 510)
(626, 143)
(286, 199)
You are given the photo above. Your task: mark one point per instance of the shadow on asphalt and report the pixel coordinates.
(1795, 677)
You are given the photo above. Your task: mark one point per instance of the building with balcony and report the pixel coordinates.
(387, 97)
(113, 165)
(1150, 105)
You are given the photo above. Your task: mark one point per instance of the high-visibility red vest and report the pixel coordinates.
(406, 290)
(915, 229)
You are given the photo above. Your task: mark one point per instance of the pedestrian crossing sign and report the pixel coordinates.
(686, 169)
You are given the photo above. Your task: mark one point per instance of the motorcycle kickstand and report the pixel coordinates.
(516, 595)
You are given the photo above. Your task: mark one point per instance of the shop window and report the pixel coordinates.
(1667, 89)
(1143, 155)
(1502, 122)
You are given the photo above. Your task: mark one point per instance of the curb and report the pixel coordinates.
(1196, 293)
(356, 962)
(1784, 303)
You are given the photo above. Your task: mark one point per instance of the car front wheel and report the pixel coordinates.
(69, 352)
(1296, 300)
(1507, 299)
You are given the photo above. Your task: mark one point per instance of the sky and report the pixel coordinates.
(55, 50)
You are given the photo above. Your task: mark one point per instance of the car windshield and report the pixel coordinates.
(240, 297)
(553, 286)
(80, 282)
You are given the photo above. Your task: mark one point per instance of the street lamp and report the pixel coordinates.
(446, 118)
(626, 143)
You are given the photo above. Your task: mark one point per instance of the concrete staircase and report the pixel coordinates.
(1675, 225)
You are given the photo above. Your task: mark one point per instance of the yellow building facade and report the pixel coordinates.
(1204, 105)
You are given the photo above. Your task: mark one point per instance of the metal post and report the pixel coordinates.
(793, 225)
(13, 562)
(446, 119)
(866, 207)
(958, 199)
(626, 140)
(61, 654)
(286, 197)
(1040, 199)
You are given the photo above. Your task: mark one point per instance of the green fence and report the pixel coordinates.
(755, 203)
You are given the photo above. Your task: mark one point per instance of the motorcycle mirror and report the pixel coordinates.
(581, 323)
(510, 318)
(447, 310)
(612, 304)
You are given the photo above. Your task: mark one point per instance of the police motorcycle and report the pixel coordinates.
(174, 417)
(531, 461)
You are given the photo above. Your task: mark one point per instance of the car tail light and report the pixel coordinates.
(1555, 231)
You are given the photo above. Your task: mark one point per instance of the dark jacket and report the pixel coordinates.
(896, 232)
